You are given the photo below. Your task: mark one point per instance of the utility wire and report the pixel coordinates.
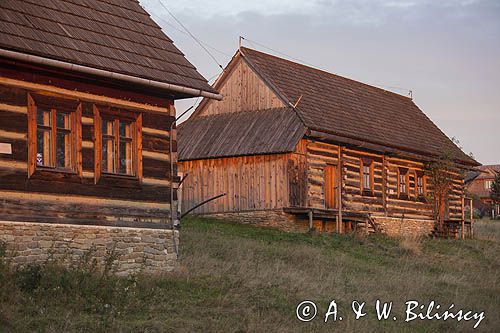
(278, 52)
(185, 33)
(190, 34)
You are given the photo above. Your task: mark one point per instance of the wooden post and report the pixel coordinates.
(463, 217)
(341, 185)
(384, 184)
(310, 213)
(471, 219)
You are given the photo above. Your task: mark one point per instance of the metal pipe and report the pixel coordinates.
(107, 74)
(201, 204)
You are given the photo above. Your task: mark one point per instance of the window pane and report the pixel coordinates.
(108, 127)
(62, 120)
(125, 131)
(125, 157)
(63, 150)
(108, 155)
(43, 148)
(43, 117)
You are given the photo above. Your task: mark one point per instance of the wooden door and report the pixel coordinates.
(330, 190)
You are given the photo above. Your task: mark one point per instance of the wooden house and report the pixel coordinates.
(478, 186)
(296, 147)
(87, 96)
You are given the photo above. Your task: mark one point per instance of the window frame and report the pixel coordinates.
(405, 171)
(364, 189)
(486, 181)
(54, 105)
(420, 175)
(135, 119)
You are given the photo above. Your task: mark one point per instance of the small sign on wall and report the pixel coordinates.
(5, 148)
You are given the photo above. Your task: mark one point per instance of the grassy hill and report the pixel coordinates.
(235, 278)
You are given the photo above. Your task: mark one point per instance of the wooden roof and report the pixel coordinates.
(328, 106)
(488, 171)
(113, 35)
(333, 104)
(242, 133)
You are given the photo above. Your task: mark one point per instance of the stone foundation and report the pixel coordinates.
(264, 218)
(134, 250)
(394, 227)
(397, 227)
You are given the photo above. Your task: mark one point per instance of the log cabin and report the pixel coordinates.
(87, 117)
(297, 148)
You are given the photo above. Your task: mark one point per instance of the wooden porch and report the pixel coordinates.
(345, 221)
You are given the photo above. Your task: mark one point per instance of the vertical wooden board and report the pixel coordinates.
(245, 191)
(279, 182)
(273, 183)
(230, 190)
(237, 175)
(262, 182)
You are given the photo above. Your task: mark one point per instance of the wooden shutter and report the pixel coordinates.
(31, 136)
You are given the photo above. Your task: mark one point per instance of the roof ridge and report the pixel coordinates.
(322, 71)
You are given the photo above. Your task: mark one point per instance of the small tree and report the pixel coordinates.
(440, 174)
(441, 180)
(495, 190)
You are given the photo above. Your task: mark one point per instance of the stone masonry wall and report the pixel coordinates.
(394, 227)
(264, 218)
(397, 227)
(135, 249)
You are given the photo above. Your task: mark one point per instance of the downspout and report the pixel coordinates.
(173, 219)
(107, 74)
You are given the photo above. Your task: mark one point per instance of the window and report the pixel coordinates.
(420, 182)
(118, 138)
(487, 184)
(117, 142)
(403, 180)
(366, 175)
(53, 134)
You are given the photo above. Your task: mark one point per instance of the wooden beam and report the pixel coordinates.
(13, 108)
(155, 156)
(75, 199)
(42, 88)
(13, 135)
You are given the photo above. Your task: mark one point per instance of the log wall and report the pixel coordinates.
(384, 200)
(53, 196)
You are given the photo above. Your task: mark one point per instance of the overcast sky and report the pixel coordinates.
(447, 52)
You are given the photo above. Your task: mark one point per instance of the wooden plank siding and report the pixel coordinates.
(54, 195)
(244, 91)
(260, 182)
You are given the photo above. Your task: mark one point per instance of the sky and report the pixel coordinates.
(446, 52)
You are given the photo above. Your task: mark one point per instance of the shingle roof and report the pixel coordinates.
(487, 171)
(242, 133)
(351, 109)
(113, 35)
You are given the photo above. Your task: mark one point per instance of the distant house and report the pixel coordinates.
(479, 187)
(87, 96)
(295, 147)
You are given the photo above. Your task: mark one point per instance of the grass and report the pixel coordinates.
(235, 278)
